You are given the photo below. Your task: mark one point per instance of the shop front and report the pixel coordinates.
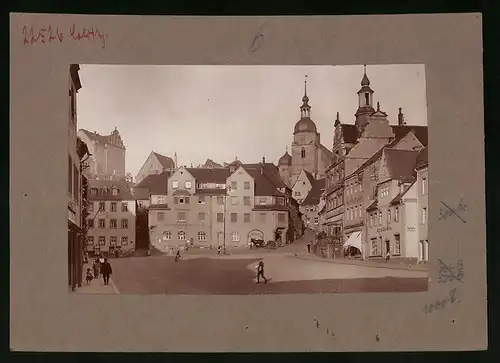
(75, 256)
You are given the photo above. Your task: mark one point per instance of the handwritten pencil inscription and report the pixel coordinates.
(441, 303)
(451, 273)
(258, 39)
(57, 34)
(447, 211)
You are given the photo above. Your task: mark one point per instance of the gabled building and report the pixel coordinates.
(210, 164)
(151, 184)
(303, 185)
(112, 217)
(107, 160)
(156, 164)
(312, 205)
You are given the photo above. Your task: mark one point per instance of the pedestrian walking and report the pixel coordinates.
(89, 276)
(260, 272)
(86, 258)
(219, 248)
(387, 257)
(178, 256)
(117, 253)
(106, 271)
(96, 268)
(309, 247)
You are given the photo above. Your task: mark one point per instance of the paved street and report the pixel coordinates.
(235, 275)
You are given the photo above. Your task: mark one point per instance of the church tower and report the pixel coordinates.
(365, 104)
(285, 168)
(306, 141)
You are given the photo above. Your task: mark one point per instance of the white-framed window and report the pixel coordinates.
(102, 206)
(112, 223)
(160, 216)
(380, 218)
(246, 185)
(235, 237)
(188, 184)
(102, 240)
(90, 240)
(424, 185)
(234, 200)
(112, 240)
(389, 219)
(202, 236)
(161, 199)
(175, 184)
(125, 207)
(114, 191)
(424, 215)
(124, 223)
(396, 214)
(113, 207)
(263, 200)
(102, 223)
(124, 241)
(167, 235)
(181, 235)
(397, 244)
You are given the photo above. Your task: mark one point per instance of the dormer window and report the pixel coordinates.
(115, 191)
(93, 191)
(187, 184)
(104, 191)
(175, 184)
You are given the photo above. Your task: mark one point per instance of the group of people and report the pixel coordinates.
(101, 266)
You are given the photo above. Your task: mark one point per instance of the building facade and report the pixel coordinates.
(111, 223)
(423, 204)
(155, 164)
(311, 206)
(107, 160)
(307, 151)
(218, 207)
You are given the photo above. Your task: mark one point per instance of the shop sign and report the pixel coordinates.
(410, 229)
(383, 229)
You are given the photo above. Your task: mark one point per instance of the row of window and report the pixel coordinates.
(181, 217)
(73, 180)
(379, 249)
(113, 240)
(201, 236)
(376, 219)
(113, 223)
(113, 207)
(336, 201)
(312, 209)
(354, 213)
(104, 191)
(234, 200)
(308, 220)
(334, 177)
(188, 184)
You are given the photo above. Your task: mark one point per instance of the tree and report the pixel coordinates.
(142, 227)
(84, 211)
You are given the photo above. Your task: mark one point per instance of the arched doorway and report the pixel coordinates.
(255, 235)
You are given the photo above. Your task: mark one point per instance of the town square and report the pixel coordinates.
(295, 211)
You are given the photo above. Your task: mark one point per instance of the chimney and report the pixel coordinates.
(263, 160)
(401, 120)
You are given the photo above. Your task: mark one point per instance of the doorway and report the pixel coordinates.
(387, 247)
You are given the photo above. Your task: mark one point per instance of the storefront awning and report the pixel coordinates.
(354, 240)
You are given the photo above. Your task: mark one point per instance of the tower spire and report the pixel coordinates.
(305, 85)
(305, 109)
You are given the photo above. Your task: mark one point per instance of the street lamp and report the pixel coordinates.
(227, 189)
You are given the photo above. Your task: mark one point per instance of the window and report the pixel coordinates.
(124, 223)
(167, 235)
(388, 216)
(181, 235)
(181, 216)
(76, 189)
(424, 215)
(374, 247)
(370, 223)
(246, 217)
(367, 99)
(280, 201)
(102, 240)
(201, 216)
(424, 185)
(281, 217)
(93, 191)
(161, 199)
(262, 217)
(246, 185)
(396, 215)
(234, 217)
(235, 237)
(202, 236)
(201, 199)
(187, 184)
(262, 200)
(124, 207)
(160, 216)
(316, 220)
(175, 184)
(90, 240)
(297, 194)
(112, 241)
(379, 218)
(234, 185)
(124, 241)
(90, 223)
(220, 200)
(397, 244)
(112, 223)
(102, 206)
(102, 223)
(303, 153)
(220, 217)
(114, 191)
(246, 200)
(70, 176)
(113, 207)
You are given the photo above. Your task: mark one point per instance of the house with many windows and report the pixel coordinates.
(423, 204)
(227, 207)
(111, 221)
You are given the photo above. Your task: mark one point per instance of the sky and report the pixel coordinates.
(224, 112)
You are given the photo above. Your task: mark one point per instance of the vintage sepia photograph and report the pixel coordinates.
(242, 180)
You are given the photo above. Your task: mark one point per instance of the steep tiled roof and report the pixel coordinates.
(101, 139)
(165, 161)
(271, 207)
(271, 172)
(263, 186)
(310, 177)
(422, 158)
(372, 206)
(209, 175)
(211, 164)
(327, 151)
(349, 133)
(141, 193)
(154, 184)
(123, 192)
(314, 195)
(420, 132)
(401, 163)
(210, 191)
